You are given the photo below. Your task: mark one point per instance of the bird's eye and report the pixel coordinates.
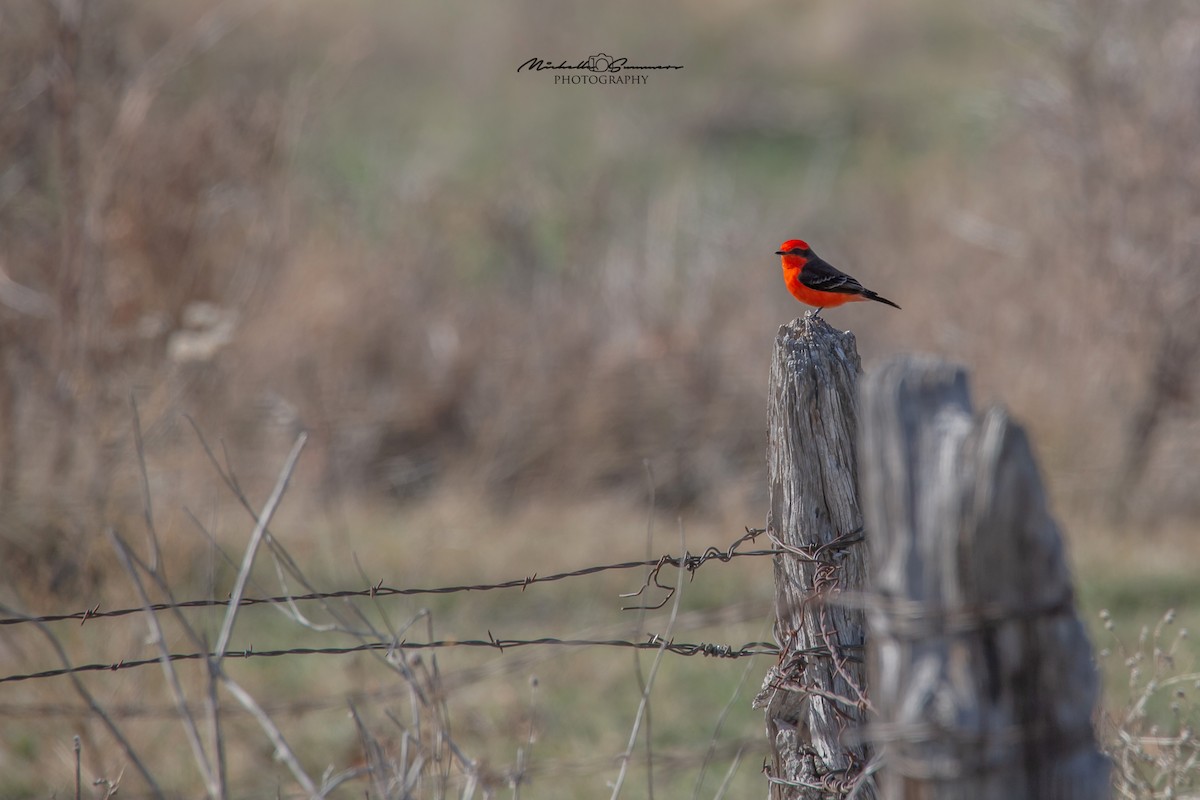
(798, 251)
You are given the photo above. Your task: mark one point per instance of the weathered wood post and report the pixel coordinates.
(815, 696)
(983, 679)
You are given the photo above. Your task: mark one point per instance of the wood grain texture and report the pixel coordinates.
(815, 695)
(983, 678)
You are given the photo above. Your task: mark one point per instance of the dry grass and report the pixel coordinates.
(570, 728)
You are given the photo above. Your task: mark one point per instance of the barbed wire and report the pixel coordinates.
(449, 680)
(653, 642)
(687, 561)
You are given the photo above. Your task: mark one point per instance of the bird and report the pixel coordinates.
(814, 281)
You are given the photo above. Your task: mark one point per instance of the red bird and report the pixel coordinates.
(815, 282)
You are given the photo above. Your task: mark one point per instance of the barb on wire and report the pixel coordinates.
(653, 642)
(691, 563)
(687, 561)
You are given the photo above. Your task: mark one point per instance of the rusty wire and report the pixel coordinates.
(692, 563)
(687, 561)
(653, 642)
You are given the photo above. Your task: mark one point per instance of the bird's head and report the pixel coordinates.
(794, 247)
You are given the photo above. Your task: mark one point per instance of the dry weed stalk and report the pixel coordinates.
(1153, 741)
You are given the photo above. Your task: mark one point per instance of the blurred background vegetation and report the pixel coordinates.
(509, 313)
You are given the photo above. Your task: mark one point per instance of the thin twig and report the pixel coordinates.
(78, 768)
(525, 753)
(645, 701)
(268, 511)
(156, 633)
(729, 773)
(637, 633)
(282, 750)
(139, 447)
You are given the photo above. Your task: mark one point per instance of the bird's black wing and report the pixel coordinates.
(822, 276)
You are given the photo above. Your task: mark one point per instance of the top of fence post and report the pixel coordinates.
(983, 678)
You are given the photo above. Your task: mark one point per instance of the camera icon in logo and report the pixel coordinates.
(600, 62)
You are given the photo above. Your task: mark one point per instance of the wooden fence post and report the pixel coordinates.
(983, 679)
(815, 696)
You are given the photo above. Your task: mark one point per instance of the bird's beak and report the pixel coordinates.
(780, 253)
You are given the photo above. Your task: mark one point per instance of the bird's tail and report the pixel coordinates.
(867, 293)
